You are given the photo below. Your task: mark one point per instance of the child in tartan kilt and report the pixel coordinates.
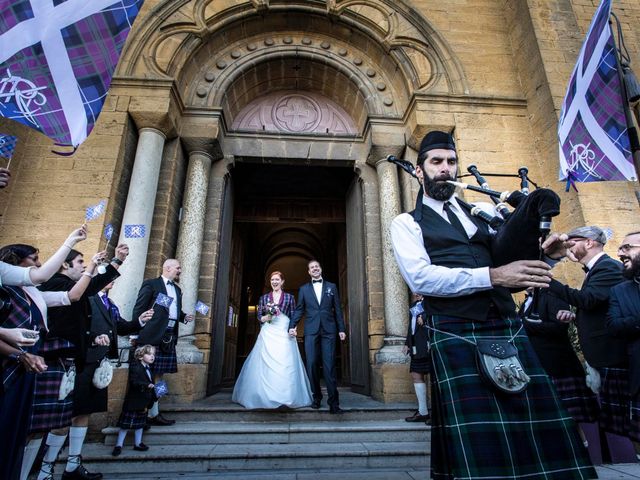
(140, 396)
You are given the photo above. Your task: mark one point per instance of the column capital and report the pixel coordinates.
(386, 140)
(156, 107)
(201, 135)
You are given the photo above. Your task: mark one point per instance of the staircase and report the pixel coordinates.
(214, 436)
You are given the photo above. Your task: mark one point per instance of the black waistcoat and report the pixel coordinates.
(447, 247)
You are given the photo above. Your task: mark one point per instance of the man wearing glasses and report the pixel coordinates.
(602, 350)
(623, 320)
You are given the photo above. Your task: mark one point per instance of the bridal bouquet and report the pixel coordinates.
(272, 309)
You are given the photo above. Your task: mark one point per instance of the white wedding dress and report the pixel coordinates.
(273, 374)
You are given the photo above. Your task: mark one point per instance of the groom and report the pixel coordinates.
(320, 304)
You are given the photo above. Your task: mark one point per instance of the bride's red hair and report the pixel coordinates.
(276, 272)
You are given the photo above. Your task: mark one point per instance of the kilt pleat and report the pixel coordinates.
(48, 412)
(165, 362)
(479, 433)
(420, 365)
(618, 413)
(577, 398)
(132, 419)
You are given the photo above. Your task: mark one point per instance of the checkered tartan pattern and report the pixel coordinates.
(132, 420)
(48, 412)
(480, 434)
(165, 362)
(577, 398)
(7, 145)
(619, 414)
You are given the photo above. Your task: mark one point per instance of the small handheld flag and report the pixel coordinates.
(134, 231)
(108, 232)
(202, 308)
(7, 145)
(161, 388)
(94, 211)
(164, 300)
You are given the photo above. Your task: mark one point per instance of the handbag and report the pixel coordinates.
(499, 365)
(68, 381)
(103, 375)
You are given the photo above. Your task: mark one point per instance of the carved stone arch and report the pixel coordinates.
(186, 25)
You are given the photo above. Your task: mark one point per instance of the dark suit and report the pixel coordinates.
(322, 322)
(600, 347)
(623, 320)
(155, 328)
(139, 395)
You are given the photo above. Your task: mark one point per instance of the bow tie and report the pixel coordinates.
(585, 269)
(316, 281)
(169, 282)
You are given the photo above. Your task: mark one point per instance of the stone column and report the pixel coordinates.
(189, 248)
(138, 210)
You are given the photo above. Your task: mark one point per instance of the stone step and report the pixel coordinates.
(342, 431)
(195, 413)
(218, 458)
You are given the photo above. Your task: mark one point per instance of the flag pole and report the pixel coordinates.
(631, 115)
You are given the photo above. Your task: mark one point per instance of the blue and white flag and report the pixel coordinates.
(7, 145)
(94, 211)
(134, 231)
(202, 308)
(592, 134)
(164, 300)
(161, 388)
(108, 232)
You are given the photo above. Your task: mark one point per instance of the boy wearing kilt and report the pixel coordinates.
(417, 346)
(164, 296)
(477, 431)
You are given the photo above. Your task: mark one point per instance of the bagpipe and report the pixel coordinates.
(518, 231)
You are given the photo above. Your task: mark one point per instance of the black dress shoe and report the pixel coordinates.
(141, 448)
(336, 411)
(160, 421)
(416, 417)
(316, 404)
(116, 451)
(81, 473)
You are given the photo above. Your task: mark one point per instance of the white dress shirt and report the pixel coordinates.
(317, 288)
(171, 292)
(414, 262)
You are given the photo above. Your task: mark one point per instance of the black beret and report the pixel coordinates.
(436, 139)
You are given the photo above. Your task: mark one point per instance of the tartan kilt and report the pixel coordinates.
(616, 408)
(420, 365)
(132, 419)
(478, 432)
(165, 362)
(577, 398)
(48, 412)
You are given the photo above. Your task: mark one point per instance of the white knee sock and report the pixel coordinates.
(76, 440)
(153, 411)
(122, 434)
(137, 436)
(421, 393)
(54, 445)
(30, 452)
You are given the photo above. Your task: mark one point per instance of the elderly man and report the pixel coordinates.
(623, 320)
(162, 330)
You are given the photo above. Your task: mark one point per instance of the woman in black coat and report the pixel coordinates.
(140, 396)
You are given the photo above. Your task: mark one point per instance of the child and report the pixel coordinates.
(140, 396)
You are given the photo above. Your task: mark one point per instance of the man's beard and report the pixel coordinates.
(633, 270)
(437, 188)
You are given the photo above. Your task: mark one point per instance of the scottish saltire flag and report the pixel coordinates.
(7, 145)
(57, 58)
(94, 211)
(134, 231)
(594, 143)
(164, 300)
(108, 232)
(202, 307)
(161, 388)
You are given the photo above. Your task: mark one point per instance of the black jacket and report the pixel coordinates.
(139, 395)
(102, 322)
(420, 340)
(155, 328)
(600, 347)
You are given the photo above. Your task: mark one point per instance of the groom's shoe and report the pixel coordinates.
(336, 411)
(316, 404)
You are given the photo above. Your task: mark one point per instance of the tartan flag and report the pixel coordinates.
(108, 232)
(57, 58)
(7, 145)
(593, 139)
(161, 388)
(95, 211)
(202, 307)
(164, 300)
(134, 231)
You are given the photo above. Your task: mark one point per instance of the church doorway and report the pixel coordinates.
(278, 217)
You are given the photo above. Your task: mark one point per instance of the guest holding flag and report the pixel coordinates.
(164, 296)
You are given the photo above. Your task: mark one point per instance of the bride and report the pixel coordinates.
(273, 374)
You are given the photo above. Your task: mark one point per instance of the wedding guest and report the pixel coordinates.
(139, 398)
(417, 346)
(162, 329)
